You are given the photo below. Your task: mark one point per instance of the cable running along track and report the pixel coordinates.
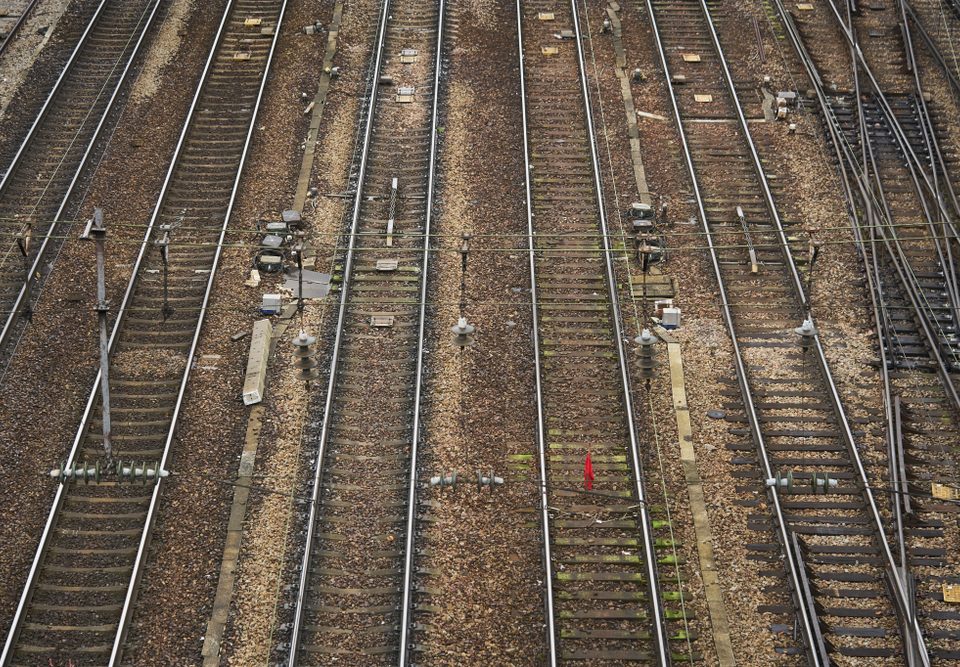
(355, 595)
(39, 183)
(602, 591)
(80, 592)
(833, 544)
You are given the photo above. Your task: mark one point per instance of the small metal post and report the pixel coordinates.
(754, 264)
(299, 252)
(806, 331)
(760, 50)
(23, 242)
(464, 252)
(164, 244)
(391, 221)
(644, 251)
(99, 233)
(813, 252)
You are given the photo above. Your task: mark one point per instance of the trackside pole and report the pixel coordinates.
(98, 232)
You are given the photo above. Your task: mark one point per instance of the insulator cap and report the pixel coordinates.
(463, 333)
(303, 340)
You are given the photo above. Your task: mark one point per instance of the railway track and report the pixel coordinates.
(79, 595)
(42, 178)
(848, 597)
(910, 259)
(926, 257)
(937, 23)
(604, 597)
(355, 599)
(12, 17)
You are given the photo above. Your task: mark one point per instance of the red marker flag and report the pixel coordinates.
(588, 473)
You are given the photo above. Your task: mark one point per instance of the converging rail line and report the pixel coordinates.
(41, 180)
(355, 599)
(825, 516)
(937, 23)
(910, 260)
(602, 591)
(79, 595)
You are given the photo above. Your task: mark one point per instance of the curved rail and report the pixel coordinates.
(857, 188)
(899, 134)
(596, 214)
(392, 16)
(57, 110)
(230, 26)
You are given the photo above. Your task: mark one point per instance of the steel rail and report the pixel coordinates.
(910, 635)
(91, 401)
(141, 556)
(661, 638)
(880, 319)
(16, 26)
(809, 622)
(881, 322)
(934, 49)
(937, 164)
(659, 629)
(12, 315)
(338, 341)
(892, 120)
(900, 260)
(53, 92)
(912, 628)
(872, 273)
(875, 185)
(844, 155)
(405, 609)
(551, 626)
